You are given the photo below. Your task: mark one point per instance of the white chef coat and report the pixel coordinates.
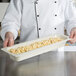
(38, 18)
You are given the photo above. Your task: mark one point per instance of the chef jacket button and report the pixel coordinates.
(39, 28)
(55, 28)
(55, 14)
(55, 2)
(37, 15)
(36, 2)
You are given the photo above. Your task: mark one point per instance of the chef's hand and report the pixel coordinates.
(73, 36)
(9, 40)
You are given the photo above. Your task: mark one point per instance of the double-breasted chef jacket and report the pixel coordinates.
(38, 18)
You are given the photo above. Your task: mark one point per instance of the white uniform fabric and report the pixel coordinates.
(38, 18)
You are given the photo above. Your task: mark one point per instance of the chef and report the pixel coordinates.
(38, 18)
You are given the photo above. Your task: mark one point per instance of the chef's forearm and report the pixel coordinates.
(12, 19)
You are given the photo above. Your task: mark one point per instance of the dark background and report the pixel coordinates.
(4, 0)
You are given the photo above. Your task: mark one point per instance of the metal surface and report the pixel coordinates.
(49, 64)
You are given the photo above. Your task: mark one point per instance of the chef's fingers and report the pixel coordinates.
(72, 34)
(73, 40)
(11, 42)
(5, 43)
(9, 39)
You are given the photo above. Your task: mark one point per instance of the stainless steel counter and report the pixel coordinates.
(49, 64)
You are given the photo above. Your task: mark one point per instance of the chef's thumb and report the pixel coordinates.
(11, 42)
(5, 43)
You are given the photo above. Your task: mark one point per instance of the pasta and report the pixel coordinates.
(35, 45)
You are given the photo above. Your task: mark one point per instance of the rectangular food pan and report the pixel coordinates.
(38, 51)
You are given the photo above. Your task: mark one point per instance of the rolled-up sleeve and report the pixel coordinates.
(12, 19)
(70, 15)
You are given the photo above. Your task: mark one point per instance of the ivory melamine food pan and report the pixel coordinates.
(38, 51)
